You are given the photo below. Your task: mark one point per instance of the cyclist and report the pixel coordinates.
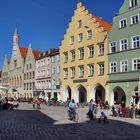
(71, 109)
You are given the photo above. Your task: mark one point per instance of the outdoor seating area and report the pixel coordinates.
(6, 104)
(128, 112)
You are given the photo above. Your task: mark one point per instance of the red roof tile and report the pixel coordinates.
(23, 52)
(106, 26)
(36, 53)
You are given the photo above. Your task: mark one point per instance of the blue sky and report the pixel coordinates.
(43, 22)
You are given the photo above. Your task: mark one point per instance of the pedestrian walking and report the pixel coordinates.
(38, 104)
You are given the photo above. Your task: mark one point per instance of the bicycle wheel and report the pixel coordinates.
(76, 117)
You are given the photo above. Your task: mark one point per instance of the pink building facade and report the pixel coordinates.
(43, 77)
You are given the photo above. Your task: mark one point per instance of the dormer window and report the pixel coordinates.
(133, 3)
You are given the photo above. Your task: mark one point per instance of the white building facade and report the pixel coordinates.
(29, 72)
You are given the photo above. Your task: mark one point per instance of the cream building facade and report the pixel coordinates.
(16, 68)
(5, 73)
(29, 72)
(83, 58)
(18, 74)
(3, 90)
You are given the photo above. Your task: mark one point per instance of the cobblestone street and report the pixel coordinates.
(51, 123)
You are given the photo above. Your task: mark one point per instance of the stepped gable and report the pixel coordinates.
(106, 26)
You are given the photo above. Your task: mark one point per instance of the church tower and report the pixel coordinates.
(15, 39)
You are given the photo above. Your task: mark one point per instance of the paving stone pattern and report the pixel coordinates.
(51, 123)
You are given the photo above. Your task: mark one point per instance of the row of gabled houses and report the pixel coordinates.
(95, 60)
(28, 73)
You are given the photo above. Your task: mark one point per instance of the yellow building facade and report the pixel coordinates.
(83, 58)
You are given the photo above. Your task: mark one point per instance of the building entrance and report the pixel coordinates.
(82, 94)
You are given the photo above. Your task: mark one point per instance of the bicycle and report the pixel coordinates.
(73, 115)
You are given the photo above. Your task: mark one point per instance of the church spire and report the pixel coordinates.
(5, 60)
(15, 37)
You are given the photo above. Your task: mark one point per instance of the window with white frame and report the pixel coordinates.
(48, 61)
(43, 63)
(101, 69)
(79, 23)
(43, 73)
(53, 70)
(65, 73)
(65, 56)
(72, 40)
(136, 64)
(48, 71)
(49, 84)
(91, 70)
(135, 19)
(81, 68)
(113, 47)
(73, 55)
(81, 51)
(123, 45)
(124, 65)
(53, 82)
(136, 42)
(58, 69)
(53, 59)
(113, 67)
(91, 51)
(80, 37)
(133, 3)
(73, 72)
(38, 64)
(101, 49)
(58, 57)
(89, 34)
(123, 23)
